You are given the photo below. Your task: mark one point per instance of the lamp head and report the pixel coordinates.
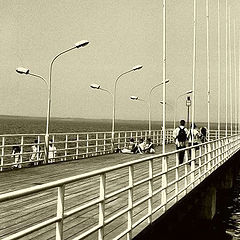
(190, 91)
(81, 43)
(133, 97)
(95, 86)
(161, 102)
(22, 70)
(137, 67)
(167, 80)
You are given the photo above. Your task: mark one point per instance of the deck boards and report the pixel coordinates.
(18, 214)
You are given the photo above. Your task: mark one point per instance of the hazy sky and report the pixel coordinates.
(122, 34)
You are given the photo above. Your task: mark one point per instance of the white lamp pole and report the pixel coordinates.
(235, 75)
(77, 45)
(226, 76)
(194, 64)
(230, 68)
(114, 99)
(208, 69)
(164, 66)
(219, 70)
(175, 108)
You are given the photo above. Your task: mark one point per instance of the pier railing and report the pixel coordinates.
(115, 202)
(71, 146)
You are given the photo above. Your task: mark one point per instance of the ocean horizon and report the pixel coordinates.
(37, 125)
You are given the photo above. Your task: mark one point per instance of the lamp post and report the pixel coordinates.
(79, 44)
(175, 108)
(149, 104)
(138, 67)
(149, 97)
(22, 70)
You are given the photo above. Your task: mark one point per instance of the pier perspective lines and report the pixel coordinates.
(114, 202)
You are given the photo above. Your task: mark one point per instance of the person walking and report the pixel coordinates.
(193, 138)
(180, 135)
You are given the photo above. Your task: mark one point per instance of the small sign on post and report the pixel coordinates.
(188, 101)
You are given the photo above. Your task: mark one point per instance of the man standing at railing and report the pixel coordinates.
(180, 135)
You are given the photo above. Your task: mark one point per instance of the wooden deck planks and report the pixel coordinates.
(27, 177)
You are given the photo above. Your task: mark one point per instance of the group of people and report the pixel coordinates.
(139, 147)
(36, 154)
(184, 138)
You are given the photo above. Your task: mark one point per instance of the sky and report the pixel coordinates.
(122, 34)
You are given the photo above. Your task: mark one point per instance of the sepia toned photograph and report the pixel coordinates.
(120, 120)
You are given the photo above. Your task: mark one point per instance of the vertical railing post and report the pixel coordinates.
(38, 151)
(158, 137)
(119, 140)
(2, 157)
(60, 212)
(21, 155)
(66, 147)
(87, 145)
(96, 147)
(193, 156)
(104, 143)
(77, 147)
(209, 158)
(130, 202)
(177, 177)
(205, 160)
(164, 183)
(200, 163)
(185, 173)
(125, 139)
(102, 194)
(150, 191)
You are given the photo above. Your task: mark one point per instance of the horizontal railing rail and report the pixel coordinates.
(113, 202)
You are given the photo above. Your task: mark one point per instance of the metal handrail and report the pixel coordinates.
(206, 166)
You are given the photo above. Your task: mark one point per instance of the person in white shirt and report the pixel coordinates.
(51, 153)
(180, 135)
(193, 138)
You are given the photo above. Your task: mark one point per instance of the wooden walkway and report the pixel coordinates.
(18, 214)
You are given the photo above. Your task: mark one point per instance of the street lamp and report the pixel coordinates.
(138, 67)
(149, 104)
(79, 44)
(149, 97)
(22, 70)
(98, 87)
(175, 109)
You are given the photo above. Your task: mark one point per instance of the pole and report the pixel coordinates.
(208, 70)
(239, 79)
(164, 74)
(194, 66)
(46, 150)
(188, 116)
(149, 106)
(219, 70)
(226, 50)
(235, 73)
(230, 70)
(114, 106)
(149, 117)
